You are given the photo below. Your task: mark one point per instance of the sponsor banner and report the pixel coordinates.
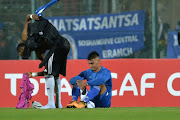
(173, 49)
(136, 82)
(111, 35)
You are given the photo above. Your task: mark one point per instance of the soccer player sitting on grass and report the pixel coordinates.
(100, 82)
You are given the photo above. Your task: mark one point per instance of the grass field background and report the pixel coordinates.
(121, 113)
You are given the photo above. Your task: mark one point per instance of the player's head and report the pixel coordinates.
(20, 48)
(94, 61)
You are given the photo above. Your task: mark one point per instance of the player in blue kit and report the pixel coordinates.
(100, 82)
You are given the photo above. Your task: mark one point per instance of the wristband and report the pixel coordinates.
(31, 16)
(34, 74)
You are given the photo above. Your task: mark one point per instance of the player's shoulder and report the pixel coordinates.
(105, 69)
(87, 71)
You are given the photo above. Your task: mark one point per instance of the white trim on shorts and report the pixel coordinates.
(50, 61)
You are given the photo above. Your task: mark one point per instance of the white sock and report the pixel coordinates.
(58, 92)
(83, 96)
(90, 104)
(50, 82)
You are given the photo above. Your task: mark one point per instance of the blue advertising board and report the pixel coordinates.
(111, 35)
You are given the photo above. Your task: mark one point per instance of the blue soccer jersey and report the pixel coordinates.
(96, 78)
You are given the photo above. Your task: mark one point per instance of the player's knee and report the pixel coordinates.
(102, 88)
(75, 86)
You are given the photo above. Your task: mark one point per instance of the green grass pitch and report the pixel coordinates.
(121, 113)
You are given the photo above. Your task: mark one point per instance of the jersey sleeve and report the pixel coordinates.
(106, 75)
(81, 76)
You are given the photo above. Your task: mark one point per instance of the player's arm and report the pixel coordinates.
(34, 74)
(38, 55)
(106, 75)
(81, 76)
(27, 21)
(24, 33)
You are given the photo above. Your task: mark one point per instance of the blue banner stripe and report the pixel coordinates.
(111, 35)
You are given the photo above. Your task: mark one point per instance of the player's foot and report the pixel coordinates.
(71, 105)
(48, 107)
(58, 105)
(36, 105)
(81, 104)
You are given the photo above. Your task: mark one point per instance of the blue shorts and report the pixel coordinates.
(102, 100)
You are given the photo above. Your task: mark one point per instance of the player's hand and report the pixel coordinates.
(78, 82)
(29, 74)
(35, 17)
(81, 84)
(28, 17)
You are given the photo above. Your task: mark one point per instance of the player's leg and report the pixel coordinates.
(95, 92)
(50, 83)
(92, 93)
(103, 100)
(83, 94)
(57, 89)
(75, 92)
(75, 95)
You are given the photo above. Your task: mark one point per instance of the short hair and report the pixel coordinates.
(92, 55)
(20, 45)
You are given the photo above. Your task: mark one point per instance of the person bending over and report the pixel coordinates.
(41, 36)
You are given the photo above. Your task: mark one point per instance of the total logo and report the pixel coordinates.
(123, 88)
(13, 84)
